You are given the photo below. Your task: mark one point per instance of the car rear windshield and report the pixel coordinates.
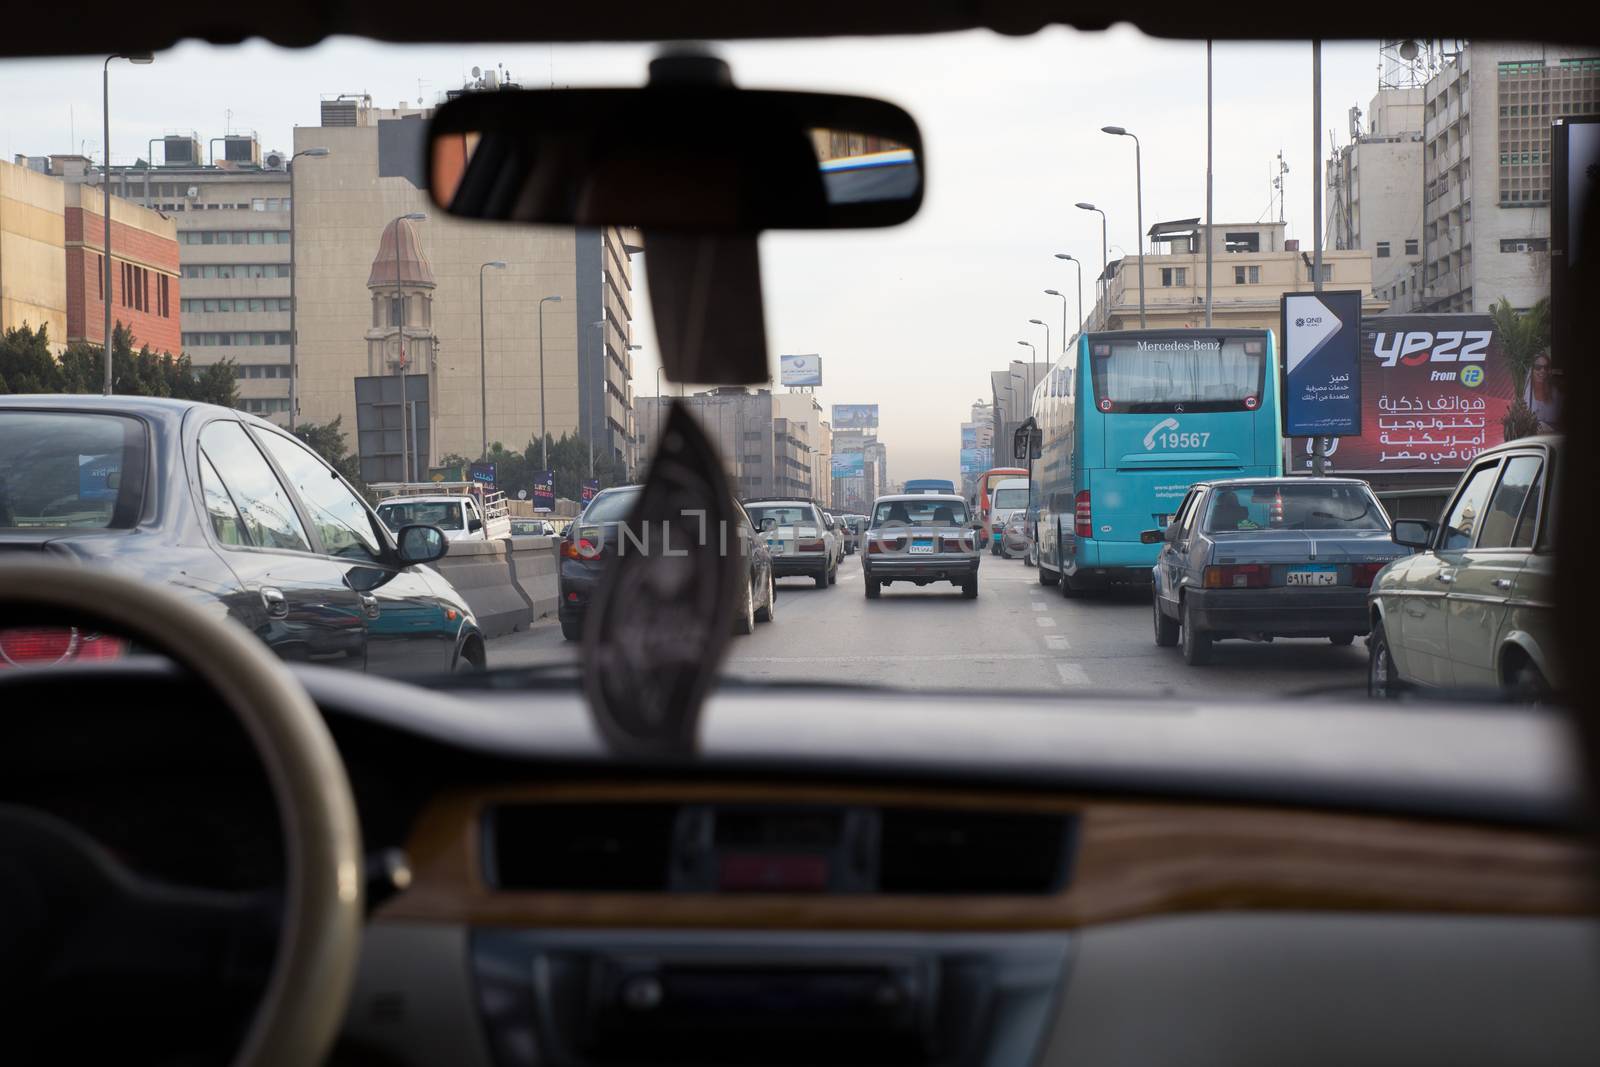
(1010, 498)
(70, 470)
(610, 507)
(783, 514)
(446, 516)
(1293, 507)
(920, 513)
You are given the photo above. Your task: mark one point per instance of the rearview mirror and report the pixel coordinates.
(686, 152)
(1412, 533)
(1151, 537)
(422, 544)
(1027, 442)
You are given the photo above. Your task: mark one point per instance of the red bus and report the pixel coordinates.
(983, 494)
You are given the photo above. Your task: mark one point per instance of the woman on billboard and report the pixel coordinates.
(1540, 394)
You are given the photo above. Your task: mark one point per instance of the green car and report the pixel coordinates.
(1473, 608)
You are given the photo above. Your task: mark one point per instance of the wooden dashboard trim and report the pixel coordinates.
(1134, 859)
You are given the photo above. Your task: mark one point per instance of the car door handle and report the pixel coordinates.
(1444, 576)
(369, 606)
(1502, 583)
(275, 602)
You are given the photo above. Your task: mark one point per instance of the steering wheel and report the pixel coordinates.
(67, 885)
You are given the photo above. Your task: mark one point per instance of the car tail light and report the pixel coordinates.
(582, 548)
(1238, 576)
(1363, 574)
(955, 544)
(1082, 517)
(809, 544)
(885, 544)
(26, 646)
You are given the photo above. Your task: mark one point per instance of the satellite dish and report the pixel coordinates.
(476, 72)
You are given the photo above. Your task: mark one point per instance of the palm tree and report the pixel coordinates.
(1523, 335)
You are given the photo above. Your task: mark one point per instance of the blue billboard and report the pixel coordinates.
(544, 490)
(1321, 364)
(975, 460)
(849, 464)
(969, 435)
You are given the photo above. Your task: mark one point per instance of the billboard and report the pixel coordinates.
(976, 460)
(1435, 391)
(590, 488)
(544, 490)
(969, 435)
(1321, 364)
(800, 370)
(849, 464)
(392, 446)
(855, 416)
(482, 473)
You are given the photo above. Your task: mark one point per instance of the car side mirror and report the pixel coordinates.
(474, 525)
(422, 544)
(1151, 537)
(1412, 533)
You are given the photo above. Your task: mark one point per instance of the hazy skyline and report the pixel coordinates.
(913, 318)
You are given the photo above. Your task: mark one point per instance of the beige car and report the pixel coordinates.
(1473, 608)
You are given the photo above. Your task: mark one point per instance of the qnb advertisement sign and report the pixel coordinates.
(1321, 366)
(1435, 391)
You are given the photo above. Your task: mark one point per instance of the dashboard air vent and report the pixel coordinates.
(924, 851)
(624, 848)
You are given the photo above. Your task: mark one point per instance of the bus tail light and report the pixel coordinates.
(1238, 576)
(1363, 574)
(1082, 518)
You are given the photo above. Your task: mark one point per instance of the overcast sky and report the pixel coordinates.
(911, 318)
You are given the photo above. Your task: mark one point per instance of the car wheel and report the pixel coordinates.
(821, 577)
(1528, 685)
(1341, 640)
(874, 587)
(769, 611)
(1166, 629)
(1383, 681)
(571, 629)
(1069, 587)
(745, 621)
(969, 588)
(1196, 642)
(833, 575)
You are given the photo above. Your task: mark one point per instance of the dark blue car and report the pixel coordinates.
(1268, 557)
(236, 513)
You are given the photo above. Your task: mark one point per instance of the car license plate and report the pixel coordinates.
(1316, 575)
(921, 545)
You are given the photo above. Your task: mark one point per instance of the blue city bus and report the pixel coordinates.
(1151, 413)
(930, 485)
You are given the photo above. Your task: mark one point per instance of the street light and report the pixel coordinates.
(400, 309)
(105, 115)
(1105, 287)
(483, 361)
(1138, 186)
(544, 445)
(1041, 322)
(1079, 290)
(294, 338)
(1032, 359)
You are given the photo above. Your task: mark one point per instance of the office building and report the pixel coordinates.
(1486, 174)
(766, 453)
(33, 253)
(1253, 265)
(1374, 187)
(346, 203)
(1011, 402)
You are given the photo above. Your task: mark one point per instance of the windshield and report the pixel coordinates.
(1293, 507)
(62, 472)
(1066, 277)
(443, 514)
(917, 512)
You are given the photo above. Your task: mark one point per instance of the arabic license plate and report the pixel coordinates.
(921, 545)
(1325, 574)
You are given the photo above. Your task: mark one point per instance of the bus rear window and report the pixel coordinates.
(1158, 374)
(63, 470)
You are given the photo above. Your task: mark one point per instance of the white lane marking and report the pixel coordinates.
(1071, 674)
(1044, 620)
(1057, 642)
(1040, 607)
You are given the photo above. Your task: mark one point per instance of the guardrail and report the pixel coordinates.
(508, 582)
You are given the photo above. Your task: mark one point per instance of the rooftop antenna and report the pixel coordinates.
(1277, 183)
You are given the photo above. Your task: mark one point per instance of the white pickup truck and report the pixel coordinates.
(464, 512)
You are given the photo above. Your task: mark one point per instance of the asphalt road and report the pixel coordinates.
(1016, 635)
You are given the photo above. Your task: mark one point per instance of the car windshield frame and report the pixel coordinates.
(1258, 511)
(132, 458)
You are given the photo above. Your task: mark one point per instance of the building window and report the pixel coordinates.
(1383, 249)
(1525, 244)
(1411, 246)
(1171, 276)
(1241, 242)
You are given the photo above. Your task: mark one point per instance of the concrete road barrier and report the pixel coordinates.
(508, 582)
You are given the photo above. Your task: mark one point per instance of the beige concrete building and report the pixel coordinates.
(804, 408)
(33, 255)
(765, 445)
(1253, 266)
(1374, 187)
(344, 202)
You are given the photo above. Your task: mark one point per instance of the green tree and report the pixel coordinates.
(26, 365)
(328, 441)
(1523, 335)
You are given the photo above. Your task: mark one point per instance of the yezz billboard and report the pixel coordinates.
(1435, 390)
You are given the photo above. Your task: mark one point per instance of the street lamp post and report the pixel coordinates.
(1041, 322)
(544, 443)
(1138, 186)
(1105, 283)
(105, 145)
(1077, 264)
(400, 314)
(294, 338)
(483, 359)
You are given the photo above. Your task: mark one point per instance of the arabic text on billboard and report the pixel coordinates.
(1321, 364)
(1435, 391)
(544, 490)
(800, 370)
(849, 464)
(855, 416)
